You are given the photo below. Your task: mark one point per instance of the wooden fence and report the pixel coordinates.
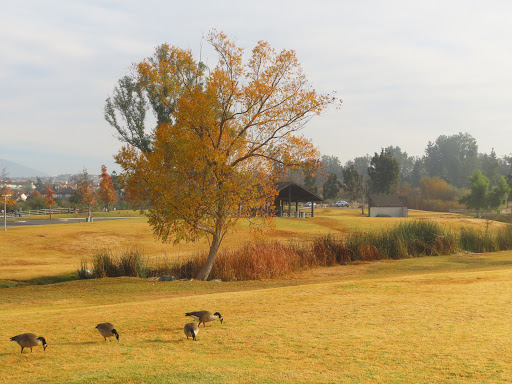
(39, 212)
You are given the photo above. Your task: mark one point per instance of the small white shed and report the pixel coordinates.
(387, 205)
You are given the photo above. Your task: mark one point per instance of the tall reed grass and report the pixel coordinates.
(407, 239)
(486, 241)
(254, 261)
(129, 262)
(269, 260)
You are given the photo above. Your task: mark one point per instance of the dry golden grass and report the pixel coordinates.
(47, 250)
(427, 320)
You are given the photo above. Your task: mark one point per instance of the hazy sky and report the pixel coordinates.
(407, 71)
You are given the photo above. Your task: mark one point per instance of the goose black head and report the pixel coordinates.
(115, 333)
(193, 334)
(219, 315)
(45, 344)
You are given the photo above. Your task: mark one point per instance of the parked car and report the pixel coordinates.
(308, 204)
(341, 203)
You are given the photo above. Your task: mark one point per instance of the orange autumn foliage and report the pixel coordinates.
(35, 195)
(437, 189)
(10, 201)
(87, 194)
(107, 193)
(85, 190)
(212, 161)
(48, 198)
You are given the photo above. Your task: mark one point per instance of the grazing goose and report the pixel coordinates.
(205, 316)
(29, 340)
(191, 330)
(107, 330)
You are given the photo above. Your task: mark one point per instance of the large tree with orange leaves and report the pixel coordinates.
(219, 134)
(107, 193)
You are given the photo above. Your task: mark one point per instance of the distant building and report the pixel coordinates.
(387, 205)
(64, 192)
(17, 185)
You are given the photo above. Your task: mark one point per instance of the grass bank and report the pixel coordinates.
(422, 320)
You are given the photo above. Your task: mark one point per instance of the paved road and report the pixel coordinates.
(22, 221)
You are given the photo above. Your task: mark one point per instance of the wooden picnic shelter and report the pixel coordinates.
(290, 192)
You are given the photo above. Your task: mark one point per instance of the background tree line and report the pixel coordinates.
(86, 193)
(438, 180)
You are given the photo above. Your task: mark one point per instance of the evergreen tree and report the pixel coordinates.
(491, 167)
(384, 172)
(452, 158)
(354, 184)
(332, 164)
(478, 196)
(499, 194)
(331, 186)
(418, 172)
(405, 162)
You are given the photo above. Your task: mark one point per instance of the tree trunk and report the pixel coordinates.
(50, 212)
(205, 271)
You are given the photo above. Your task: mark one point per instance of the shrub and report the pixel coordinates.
(104, 265)
(329, 250)
(130, 262)
(83, 271)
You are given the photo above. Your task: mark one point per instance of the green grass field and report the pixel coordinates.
(442, 319)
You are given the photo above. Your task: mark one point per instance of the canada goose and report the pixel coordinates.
(107, 330)
(191, 329)
(29, 340)
(205, 316)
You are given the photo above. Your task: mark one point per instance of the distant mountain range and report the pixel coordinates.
(17, 170)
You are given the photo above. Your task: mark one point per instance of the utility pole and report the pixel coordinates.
(5, 211)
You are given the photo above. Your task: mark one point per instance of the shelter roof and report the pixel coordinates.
(290, 191)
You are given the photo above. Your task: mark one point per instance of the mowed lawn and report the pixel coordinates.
(49, 250)
(425, 320)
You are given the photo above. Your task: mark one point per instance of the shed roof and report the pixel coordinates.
(290, 191)
(387, 201)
